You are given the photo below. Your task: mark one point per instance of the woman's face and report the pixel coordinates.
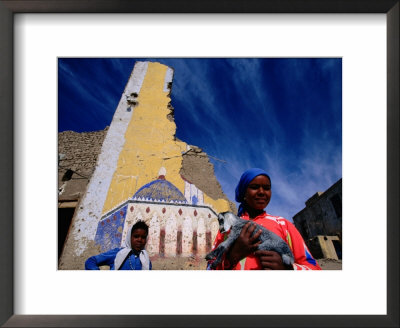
(138, 239)
(258, 192)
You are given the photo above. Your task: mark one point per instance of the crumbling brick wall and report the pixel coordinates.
(197, 169)
(78, 154)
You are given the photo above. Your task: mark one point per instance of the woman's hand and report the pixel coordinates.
(245, 244)
(271, 260)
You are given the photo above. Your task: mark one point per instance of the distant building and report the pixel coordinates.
(320, 222)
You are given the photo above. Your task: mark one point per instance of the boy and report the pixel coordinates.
(132, 255)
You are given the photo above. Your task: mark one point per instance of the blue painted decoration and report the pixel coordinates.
(160, 190)
(109, 229)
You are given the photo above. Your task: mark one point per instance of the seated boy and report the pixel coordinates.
(131, 256)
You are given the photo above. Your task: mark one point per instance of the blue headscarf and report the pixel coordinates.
(244, 181)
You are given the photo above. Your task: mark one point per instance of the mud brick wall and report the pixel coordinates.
(78, 152)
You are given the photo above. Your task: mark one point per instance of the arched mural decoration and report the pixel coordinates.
(170, 236)
(176, 227)
(201, 237)
(187, 236)
(153, 242)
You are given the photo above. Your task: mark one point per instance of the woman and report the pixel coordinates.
(253, 192)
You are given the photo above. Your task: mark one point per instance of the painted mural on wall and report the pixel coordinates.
(180, 224)
(138, 177)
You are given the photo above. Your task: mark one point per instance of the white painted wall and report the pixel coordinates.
(90, 208)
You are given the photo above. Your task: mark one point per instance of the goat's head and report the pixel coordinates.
(226, 221)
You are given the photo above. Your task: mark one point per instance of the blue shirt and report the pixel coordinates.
(132, 262)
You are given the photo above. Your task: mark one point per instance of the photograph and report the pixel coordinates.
(175, 142)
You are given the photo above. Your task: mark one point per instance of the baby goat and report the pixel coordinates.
(269, 240)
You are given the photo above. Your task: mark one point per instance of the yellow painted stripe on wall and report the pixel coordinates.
(219, 205)
(149, 143)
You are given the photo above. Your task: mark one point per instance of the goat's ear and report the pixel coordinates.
(228, 221)
(227, 225)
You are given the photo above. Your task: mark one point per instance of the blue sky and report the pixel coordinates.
(280, 114)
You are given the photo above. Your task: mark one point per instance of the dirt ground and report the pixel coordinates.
(330, 264)
(179, 263)
(196, 263)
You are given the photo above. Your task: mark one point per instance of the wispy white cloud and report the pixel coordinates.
(92, 87)
(299, 168)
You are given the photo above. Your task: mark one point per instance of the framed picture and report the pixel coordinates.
(12, 171)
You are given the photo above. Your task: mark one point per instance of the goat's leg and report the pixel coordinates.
(220, 251)
(212, 254)
(218, 259)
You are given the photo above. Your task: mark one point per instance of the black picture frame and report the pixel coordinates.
(10, 7)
